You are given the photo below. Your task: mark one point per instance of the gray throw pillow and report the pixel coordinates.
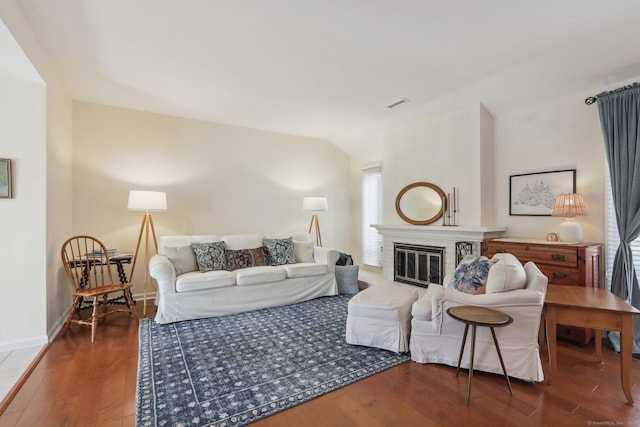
(210, 256)
(182, 257)
(303, 251)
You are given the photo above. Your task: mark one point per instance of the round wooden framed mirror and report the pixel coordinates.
(421, 203)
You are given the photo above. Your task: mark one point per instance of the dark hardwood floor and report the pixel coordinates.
(78, 383)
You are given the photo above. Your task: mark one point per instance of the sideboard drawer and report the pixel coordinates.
(559, 275)
(567, 257)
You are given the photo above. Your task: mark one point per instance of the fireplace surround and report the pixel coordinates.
(438, 236)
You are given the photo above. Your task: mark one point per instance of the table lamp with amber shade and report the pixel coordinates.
(569, 205)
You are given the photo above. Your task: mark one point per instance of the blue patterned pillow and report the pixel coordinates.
(471, 275)
(280, 251)
(210, 256)
(243, 258)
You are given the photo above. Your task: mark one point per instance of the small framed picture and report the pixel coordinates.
(5, 178)
(534, 194)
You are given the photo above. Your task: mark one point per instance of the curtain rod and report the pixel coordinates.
(590, 100)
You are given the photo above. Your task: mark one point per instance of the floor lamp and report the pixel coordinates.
(146, 201)
(315, 204)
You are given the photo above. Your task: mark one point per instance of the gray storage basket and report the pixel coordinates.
(347, 278)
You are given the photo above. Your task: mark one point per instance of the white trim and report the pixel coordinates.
(57, 326)
(23, 343)
(440, 231)
(372, 165)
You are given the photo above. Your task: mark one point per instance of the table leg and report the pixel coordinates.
(121, 273)
(551, 341)
(597, 337)
(626, 349)
(495, 341)
(462, 344)
(473, 352)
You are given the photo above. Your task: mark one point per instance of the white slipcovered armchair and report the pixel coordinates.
(436, 337)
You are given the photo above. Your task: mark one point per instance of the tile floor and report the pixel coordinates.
(12, 365)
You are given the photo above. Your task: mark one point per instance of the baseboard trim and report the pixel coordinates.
(140, 297)
(4, 404)
(57, 327)
(25, 343)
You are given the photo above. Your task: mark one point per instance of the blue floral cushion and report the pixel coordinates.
(280, 251)
(471, 274)
(210, 256)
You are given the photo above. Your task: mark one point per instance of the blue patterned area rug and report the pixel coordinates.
(233, 370)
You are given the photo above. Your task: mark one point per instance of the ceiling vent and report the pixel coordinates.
(398, 102)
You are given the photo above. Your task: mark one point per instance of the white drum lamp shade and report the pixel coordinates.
(148, 201)
(315, 204)
(569, 205)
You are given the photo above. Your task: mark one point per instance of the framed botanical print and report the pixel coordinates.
(5, 178)
(534, 194)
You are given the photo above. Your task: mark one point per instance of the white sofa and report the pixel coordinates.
(436, 337)
(195, 294)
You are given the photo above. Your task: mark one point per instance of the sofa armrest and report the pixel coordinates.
(442, 298)
(423, 306)
(161, 269)
(326, 256)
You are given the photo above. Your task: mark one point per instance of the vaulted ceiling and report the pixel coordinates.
(324, 68)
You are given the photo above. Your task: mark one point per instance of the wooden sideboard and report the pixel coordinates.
(574, 264)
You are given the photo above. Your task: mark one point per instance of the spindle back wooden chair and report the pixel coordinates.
(86, 262)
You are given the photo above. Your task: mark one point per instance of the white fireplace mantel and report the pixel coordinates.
(441, 231)
(433, 235)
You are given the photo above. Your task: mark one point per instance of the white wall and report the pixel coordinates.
(554, 134)
(36, 126)
(219, 179)
(22, 218)
(446, 151)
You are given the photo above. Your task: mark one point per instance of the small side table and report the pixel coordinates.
(479, 316)
(118, 259)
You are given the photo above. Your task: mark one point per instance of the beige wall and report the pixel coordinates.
(561, 133)
(219, 179)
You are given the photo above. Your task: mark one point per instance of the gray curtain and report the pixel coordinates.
(620, 120)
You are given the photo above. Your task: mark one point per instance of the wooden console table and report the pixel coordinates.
(595, 308)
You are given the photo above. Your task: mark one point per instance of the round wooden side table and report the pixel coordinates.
(479, 316)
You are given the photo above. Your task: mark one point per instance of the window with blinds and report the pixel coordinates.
(371, 214)
(611, 234)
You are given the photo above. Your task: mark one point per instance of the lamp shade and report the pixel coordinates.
(569, 205)
(314, 204)
(147, 201)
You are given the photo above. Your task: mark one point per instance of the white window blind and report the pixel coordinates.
(612, 236)
(371, 214)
